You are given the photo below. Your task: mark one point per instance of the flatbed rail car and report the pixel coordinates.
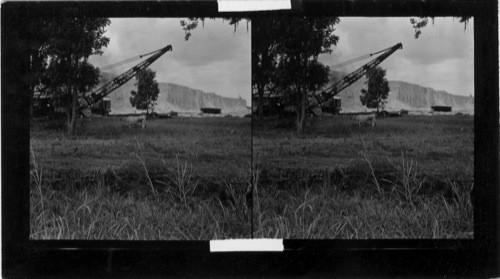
(441, 108)
(211, 110)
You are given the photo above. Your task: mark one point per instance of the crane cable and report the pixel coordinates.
(359, 58)
(345, 63)
(126, 61)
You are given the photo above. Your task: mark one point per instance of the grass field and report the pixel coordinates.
(177, 179)
(185, 178)
(408, 177)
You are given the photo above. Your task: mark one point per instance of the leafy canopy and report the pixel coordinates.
(299, 42)
(147, 90)
(73, 38)
(378, 89)
(419, 23)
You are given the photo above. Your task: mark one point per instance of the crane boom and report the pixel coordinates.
(328, 93)
(92, 98)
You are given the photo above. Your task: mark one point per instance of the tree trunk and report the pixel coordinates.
(35, 69)
(262, 81)
(74, 99)
(68, 113)
(299, 127)
(301, 112)
(32, 95)
(72, 112)
(260, 107)
(68, 122)
(303, 95)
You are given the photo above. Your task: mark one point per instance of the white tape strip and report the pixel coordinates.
(253, 5)
(247, 245)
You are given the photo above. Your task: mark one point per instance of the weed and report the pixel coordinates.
(372, 172)
(143, 164)
(184, 186)
(406, 183)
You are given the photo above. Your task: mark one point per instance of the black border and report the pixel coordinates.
(471, 258)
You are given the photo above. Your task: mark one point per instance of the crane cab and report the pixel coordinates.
(333, 106)
(102, 107)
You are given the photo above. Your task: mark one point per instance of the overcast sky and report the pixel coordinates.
(441, 58)
(214, 59)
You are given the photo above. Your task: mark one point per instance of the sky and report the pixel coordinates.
(214, 59)
(441, 58)
(217, 59)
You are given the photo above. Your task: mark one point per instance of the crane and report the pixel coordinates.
(334, 89)
(90, 99)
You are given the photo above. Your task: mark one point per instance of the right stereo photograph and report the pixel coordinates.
(362, 127)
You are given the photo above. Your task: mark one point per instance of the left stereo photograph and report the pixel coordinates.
(140, 128)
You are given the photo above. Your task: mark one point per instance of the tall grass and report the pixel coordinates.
(141, 160)
(372, 171)
(323, 210)
(97, 211)
(185, 184)
(318, 210)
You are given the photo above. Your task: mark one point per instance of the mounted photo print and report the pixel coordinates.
(199, 138)
(363, 127)
(156, 145)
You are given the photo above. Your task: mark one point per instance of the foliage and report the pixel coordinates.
(191, 23)
(264, 56)
(38, 33)
(80, 75)
(147, 90)
(420, 23)
(73, 37)
(300, 41)
(378, 89)
(31, 41)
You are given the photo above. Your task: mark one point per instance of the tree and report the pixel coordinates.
(378, 89)
(73, 38)
(301, 40)
(37, 34)
(419, 23)
(284, 56)
(264, 55)
(147, 91)
(191, 23)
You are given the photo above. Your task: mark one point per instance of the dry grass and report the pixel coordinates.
(168, 181)
(408, 177)
(186, 179)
